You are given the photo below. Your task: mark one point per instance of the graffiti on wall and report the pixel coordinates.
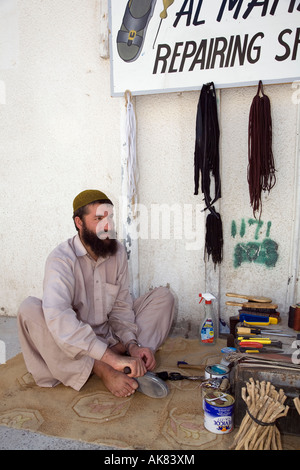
(261, 249)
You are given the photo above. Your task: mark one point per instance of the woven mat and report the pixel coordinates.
(94, 415)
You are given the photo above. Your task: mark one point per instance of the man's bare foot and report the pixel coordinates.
(118, 383)
(119, 362)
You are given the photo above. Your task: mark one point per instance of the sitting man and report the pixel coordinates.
(86, 321)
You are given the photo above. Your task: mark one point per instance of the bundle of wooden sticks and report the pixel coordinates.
(297, 404)
(265, 405)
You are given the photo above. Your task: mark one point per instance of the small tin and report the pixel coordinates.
(217, 371)
(218, 412)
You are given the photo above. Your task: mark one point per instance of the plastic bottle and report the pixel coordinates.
(208, 328)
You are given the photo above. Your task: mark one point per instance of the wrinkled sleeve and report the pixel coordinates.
(73, 336)
(122, 317)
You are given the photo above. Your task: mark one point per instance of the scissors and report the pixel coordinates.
(178, 376)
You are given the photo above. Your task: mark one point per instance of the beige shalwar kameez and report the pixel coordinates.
(86, 307)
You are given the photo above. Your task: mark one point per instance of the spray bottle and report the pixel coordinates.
(209, 328)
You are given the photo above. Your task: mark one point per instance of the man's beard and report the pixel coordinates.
(101, 248)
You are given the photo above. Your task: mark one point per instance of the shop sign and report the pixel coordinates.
(185, 43)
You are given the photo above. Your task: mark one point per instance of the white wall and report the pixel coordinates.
(279, 207)
(166, 145)
(61, 133)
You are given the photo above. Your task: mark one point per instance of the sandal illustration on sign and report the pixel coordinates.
(131, 36)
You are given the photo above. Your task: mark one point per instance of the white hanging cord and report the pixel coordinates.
(132, 170)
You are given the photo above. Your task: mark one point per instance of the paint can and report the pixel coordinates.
(217, 371)
(221, 385)
(218, 412)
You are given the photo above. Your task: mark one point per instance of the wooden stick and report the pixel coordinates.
(297, 404)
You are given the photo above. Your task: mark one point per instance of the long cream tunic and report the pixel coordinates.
(86, 307)
(84, 299)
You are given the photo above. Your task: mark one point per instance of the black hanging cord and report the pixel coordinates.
(214, 238)
(207, 162)
(206, 155)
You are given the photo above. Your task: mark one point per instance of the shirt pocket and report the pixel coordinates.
(110, 294)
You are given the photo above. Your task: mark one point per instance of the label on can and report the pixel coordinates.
(218, 412)
(216, 371)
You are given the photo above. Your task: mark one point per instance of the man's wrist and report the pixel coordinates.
(130, 343)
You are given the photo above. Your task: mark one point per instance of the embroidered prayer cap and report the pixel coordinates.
(87, 197)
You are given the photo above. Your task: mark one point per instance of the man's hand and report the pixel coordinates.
(145, 354)
(137, 365)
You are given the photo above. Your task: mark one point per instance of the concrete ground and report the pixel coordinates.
(18, 439)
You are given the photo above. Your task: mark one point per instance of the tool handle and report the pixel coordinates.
(127, 370)
(182, 365)
(245, 350)
(253, 298)
(247, 331)
(276, 344)
(260, 305)
(176, 376)
(249, 344)
(167, 4)
(256, 339)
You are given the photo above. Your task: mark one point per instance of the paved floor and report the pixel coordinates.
(15, 439)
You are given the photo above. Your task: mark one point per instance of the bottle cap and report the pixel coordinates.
(207, 296)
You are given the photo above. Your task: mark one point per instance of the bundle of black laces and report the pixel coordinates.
(207, 164)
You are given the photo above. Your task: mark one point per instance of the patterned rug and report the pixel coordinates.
(94, 415)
